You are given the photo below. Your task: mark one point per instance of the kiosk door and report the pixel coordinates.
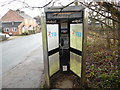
(53, 48)
(76, 35)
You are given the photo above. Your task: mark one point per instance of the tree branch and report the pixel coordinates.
(110, 8)
(99, 12)
(103, 23)
(8, 3)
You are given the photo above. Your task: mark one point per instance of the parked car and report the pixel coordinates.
(4, 36)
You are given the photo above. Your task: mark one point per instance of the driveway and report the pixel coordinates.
(27, 74)
(13, 51)
(22, 62)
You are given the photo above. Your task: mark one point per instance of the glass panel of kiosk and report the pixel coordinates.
(53, 45)
(76, 34)
(52, 36)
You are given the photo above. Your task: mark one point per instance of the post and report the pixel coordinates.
(45, 52)
(85, 29)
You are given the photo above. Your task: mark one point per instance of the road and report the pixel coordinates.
(15, 51)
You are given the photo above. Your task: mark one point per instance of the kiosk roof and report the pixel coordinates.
(64, 9)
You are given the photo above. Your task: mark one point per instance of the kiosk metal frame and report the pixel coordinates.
(62, 20)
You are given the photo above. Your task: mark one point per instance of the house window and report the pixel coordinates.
(14, 29)
(6, 29)
(30, 27)
(12, 23)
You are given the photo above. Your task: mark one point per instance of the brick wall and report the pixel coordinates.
(10, 26)
(17, 32)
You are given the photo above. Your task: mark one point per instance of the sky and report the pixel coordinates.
(18, 5)
(34, 3)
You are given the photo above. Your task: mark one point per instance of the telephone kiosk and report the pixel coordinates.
(64, 36)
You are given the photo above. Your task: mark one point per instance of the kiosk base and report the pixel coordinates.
(65, 80)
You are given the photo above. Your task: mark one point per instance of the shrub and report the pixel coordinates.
(25, 33)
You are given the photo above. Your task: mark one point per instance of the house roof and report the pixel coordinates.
(11, 16)
(15, 16)
(25, 16)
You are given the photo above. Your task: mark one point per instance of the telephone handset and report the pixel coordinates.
(62, 42)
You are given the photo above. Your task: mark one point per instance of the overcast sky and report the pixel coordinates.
(16, 5)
